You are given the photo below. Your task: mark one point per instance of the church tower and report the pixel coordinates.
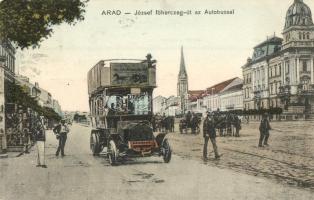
(182, 85)
(299, 27)
(298, 47)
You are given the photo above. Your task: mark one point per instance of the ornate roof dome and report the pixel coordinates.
(298, 14)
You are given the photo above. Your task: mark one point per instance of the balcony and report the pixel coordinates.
(306, 90)
(230, 107)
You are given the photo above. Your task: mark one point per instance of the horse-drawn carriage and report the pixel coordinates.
(121, 110)
(227, 124)
(192, 123)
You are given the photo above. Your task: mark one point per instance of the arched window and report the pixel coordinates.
(308, 35)
(304, 36)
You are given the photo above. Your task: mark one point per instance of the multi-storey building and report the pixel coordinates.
(212, 99)
(231, 98)
(7, 71)
(158, 104)
(224, 96)
(280, 72)
(7, 51)
(57, 108)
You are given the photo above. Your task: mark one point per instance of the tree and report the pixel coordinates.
(29, 22)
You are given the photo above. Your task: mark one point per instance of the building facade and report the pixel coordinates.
(158, 104)
(45, 99)
(7, 72)
(231, 98)
(183, 85)
(218, 96)
(224, 96)
(280, 72)
(168, 106)
(57, 108)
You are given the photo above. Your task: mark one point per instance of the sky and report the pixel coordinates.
(215, 46)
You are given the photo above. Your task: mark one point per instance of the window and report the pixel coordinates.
(300, 35)
(275, 70)
(308, 35)
(276, 88)
(287, 67)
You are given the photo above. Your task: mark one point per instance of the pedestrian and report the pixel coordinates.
(237, 126)
(193, 123)
(61, 131)
(172, 123)
(209, 133)
(264, 131)
(40, 137)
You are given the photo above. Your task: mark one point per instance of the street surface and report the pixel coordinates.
(289, 159)
(79, 175)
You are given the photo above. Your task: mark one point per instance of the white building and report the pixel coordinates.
(222, 91)
(56, 107)
(281, 71)
(158, 103)
(231, 98)
(169, 106)
(45, 99)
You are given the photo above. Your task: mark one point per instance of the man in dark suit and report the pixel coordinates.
(209, 132)
(264, 131)
(61, 131)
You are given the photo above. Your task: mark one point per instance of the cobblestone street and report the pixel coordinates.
(289, 159)
(79, 175)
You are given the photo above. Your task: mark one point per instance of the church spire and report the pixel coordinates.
(183, 85)
(182, 64)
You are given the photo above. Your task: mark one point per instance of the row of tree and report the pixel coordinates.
(272, 111)
(17, 95)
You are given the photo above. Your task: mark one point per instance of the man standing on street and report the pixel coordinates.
(209, 132)
(40, 137)
(61, 131)
(237, 124)
(264, 131)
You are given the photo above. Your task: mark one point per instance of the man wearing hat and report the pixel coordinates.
(264, 131)
(61, 131)
(209, 132)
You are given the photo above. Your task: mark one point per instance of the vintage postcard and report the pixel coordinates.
(156, 99)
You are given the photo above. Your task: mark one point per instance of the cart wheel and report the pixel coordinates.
(112, 153)
(166, 151)
(95, 143)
